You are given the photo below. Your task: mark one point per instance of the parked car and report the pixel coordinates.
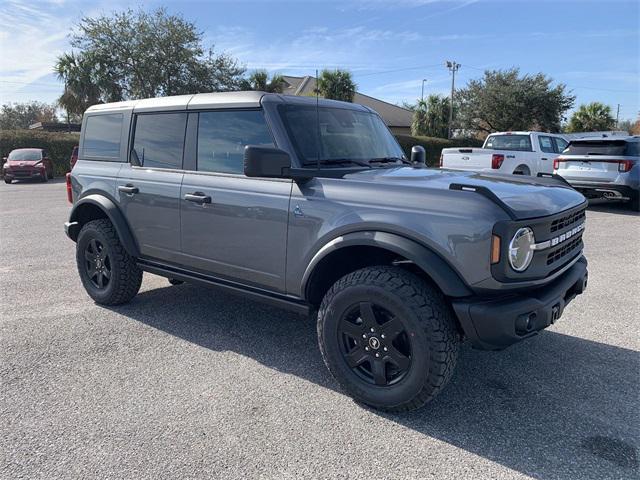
(607, 168)
(519, 153)
(74, 157)
(314, 208)
(27, 163)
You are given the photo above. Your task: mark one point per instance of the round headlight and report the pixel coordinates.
(520, 249)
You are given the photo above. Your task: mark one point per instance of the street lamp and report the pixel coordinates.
(422, 95)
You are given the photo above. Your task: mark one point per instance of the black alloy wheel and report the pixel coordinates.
(97, 264)
(374, 344)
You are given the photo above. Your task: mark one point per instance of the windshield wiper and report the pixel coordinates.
(338, 161)
(389, 160)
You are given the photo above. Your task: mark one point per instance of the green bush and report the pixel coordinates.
(59, 145)
(434, 146)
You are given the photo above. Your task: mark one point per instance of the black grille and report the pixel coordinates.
(564, 222)
(564, 250)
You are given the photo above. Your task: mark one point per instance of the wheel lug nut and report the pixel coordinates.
(372, 330)
(385, 349)
(382, 336)
(364, 335)
(366, 348)
(377, 355)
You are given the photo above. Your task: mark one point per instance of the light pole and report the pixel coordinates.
(422, 95)
(453, 68)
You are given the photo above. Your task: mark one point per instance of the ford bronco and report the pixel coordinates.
(312, 205)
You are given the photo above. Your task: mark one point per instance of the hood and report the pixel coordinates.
(22, 163)
(526, 197)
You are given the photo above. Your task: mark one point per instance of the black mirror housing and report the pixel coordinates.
(418, 155)
(266, 162)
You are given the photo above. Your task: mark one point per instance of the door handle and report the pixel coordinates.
(197, 197)
(544, 158)
(128, 189)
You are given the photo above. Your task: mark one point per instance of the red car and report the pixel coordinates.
(27, 163)
(74, 157)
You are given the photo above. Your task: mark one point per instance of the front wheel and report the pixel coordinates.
(388, 338)
(7, 181)
(108, 273)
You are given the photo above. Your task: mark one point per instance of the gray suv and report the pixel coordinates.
(311, 205)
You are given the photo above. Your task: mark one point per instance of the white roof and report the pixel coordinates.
(182, 102)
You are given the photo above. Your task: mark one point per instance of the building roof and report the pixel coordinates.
(393, 115)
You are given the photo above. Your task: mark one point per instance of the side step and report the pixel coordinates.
(277, 300)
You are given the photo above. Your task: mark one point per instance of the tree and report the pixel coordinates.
(336, 85)
(592, 117)
(431, 117)
(138, 54)
(504, 100)
(21, 115)
(259, 80)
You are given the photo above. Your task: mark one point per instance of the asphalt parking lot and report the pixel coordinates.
(186, 382)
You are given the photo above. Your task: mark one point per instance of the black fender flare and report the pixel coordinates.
(447, 279)
(112, 212)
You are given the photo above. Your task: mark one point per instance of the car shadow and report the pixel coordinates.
(615, 208)
(555, 406)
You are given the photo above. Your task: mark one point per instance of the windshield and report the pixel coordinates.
(509, 142)
(344, 135)
(602, 147)
(25, 155)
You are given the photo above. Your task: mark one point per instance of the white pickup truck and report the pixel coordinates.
(519, 153)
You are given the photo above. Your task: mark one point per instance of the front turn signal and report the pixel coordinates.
(495, 249)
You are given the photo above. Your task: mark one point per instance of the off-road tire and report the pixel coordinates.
(126, 276)
(421, 307)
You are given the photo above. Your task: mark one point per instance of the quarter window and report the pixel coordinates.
(223, 135)
(158, 140)
(546, 144)
(102, 136)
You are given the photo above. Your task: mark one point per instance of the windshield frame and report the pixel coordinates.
(333, 162)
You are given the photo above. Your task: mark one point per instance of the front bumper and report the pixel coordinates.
(496, 323)
(23, 174)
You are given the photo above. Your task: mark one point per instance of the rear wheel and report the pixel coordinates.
(109, 274)
(388, 338)
(522, 170)
(8, 180)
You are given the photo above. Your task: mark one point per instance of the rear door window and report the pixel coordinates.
(561, 144)
(158, 140)
(102, 135)
(223, 135)
(546, 144)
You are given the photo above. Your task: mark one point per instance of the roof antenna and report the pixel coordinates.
(318, 122)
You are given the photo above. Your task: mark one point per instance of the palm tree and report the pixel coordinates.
(592, 117)
(431, 117)
(81, 91)
(336, 85)
(259, 80)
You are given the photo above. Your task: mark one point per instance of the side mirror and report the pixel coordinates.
(266, 162)
(418, 155)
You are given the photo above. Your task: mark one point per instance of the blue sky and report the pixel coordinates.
(389, 46)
